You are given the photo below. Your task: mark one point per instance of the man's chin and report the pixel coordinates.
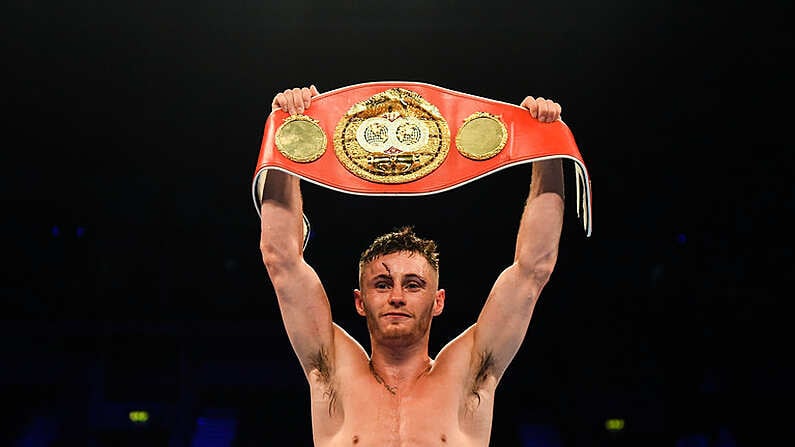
(396, 333)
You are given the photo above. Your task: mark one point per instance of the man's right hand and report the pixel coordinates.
(294, 100)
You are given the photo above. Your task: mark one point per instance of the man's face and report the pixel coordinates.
(399, 296)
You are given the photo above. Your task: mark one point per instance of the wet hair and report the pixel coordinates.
(402, 239)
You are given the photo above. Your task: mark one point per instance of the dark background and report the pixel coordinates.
(132, 277)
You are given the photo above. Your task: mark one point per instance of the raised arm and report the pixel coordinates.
(302, 300)
(504, 319)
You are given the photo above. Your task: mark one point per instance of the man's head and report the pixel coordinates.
(401, 240)
(398, 286)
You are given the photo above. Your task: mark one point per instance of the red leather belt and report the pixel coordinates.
(410, 138)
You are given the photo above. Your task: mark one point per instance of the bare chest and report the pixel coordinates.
(431, 412)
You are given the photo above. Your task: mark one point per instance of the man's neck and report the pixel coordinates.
(396, 368)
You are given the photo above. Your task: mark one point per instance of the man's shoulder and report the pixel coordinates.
(457, 352)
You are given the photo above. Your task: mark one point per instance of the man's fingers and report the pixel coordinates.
(275, 103)
(546, 110)
(309, 93)
(279, 102)
(558, 112)
(306, 97)
(294, 100)
(543, 109)
(530, 104)
(284, 101)
(552, 111)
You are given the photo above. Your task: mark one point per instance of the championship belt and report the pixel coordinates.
(409, 139)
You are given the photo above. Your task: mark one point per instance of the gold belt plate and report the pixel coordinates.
(395, 136)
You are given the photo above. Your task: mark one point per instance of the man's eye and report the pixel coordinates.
(412, 285)
(381, 285)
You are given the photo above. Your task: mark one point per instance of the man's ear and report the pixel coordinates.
(358, 302)
(438, 305)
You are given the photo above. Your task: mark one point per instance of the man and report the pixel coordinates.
(398, 395)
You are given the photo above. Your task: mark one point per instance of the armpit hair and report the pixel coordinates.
(319, 362)
(484, 370)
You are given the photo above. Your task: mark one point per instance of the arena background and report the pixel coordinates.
(135, 309)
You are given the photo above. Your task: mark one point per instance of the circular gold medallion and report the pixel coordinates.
(395, 136)
(482, 136)
(300, 138)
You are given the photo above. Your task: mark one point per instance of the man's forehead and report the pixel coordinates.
(399, 262)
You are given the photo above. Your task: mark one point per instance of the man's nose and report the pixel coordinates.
(397, 298)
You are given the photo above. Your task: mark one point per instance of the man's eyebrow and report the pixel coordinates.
(415, 277)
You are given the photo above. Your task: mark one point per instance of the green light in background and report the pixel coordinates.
(614, 424)
(139, 416)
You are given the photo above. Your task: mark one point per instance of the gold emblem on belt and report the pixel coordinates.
(395, 136)
(300, 138)
(481, 136)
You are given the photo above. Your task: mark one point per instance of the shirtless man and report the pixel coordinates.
(398, 395)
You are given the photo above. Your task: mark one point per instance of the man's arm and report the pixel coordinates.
(504, 319)
(302, 300)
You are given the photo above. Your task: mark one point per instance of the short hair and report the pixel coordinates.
(402, 239)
